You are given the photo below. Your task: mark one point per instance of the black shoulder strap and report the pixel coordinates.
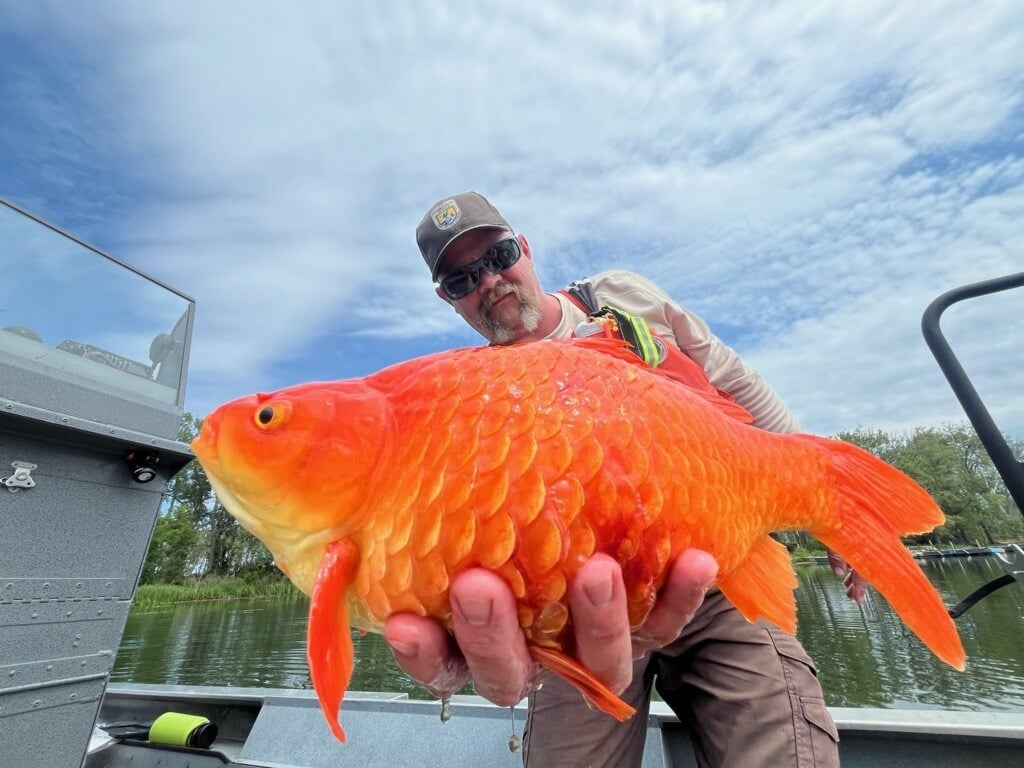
(583, 292)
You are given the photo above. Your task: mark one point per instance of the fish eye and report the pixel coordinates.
(269, 416)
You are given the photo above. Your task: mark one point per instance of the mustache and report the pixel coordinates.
(498, 292)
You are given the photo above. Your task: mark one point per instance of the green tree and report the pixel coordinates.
(952, 465)
(882, 444)
(171, 554)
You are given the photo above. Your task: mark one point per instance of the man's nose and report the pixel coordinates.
(487, 280)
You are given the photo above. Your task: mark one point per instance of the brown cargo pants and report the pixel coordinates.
(747, 693)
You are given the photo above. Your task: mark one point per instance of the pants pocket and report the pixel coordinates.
(817, 737)
(822, 734)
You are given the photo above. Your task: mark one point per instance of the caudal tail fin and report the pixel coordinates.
(875, 505)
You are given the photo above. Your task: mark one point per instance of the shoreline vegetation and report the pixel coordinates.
(151, 596)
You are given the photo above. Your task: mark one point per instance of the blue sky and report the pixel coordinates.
(805, 176)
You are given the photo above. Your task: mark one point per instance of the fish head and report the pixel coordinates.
(295, 465)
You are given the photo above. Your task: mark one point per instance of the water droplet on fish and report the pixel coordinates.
(446, 709)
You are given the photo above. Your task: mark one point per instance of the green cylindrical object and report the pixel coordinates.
(180, 730)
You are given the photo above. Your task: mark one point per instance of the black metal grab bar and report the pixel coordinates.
(1008, 466)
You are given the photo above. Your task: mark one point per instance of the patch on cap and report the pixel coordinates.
(446, 215)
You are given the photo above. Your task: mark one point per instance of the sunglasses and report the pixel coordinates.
(497, 258)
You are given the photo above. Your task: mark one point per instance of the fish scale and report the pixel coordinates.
(373, 494)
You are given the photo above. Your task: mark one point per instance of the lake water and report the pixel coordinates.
(865, 655)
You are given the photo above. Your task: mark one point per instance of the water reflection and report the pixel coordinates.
(258, 643)
(245, 643)
(865, 656)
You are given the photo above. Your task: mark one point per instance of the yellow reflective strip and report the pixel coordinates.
(643, 340)
(648, 349)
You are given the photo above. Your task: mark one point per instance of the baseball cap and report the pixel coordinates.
(450, 217)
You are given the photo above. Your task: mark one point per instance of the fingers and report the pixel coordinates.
(856, 586)
(689, 579)
(597, 602)
(486, 625)
(488, 646)
(491, 647)
(837, 563)
(427, 653)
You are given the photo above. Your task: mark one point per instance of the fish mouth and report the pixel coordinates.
(204, 446)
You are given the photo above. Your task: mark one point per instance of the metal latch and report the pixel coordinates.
(22, 477)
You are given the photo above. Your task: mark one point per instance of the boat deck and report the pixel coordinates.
(280, 728)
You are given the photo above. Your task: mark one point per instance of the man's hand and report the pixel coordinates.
(856, 586)
(491, 648)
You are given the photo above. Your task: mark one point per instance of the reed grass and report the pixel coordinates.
(149, 596)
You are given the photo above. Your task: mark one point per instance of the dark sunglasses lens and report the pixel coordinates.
(460, 284)
(504, 254)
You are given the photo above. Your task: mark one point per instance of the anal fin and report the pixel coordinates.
(763, 585)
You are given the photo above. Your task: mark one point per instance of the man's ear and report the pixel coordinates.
(524, 246)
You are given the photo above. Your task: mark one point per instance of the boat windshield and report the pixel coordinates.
(67, 306)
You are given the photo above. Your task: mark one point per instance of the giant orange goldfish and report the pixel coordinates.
(373, 493)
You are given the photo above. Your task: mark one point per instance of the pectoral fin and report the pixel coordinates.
(329, 644)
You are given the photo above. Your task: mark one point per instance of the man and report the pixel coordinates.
(748, 693)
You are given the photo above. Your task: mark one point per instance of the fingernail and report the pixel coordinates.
(599, 592)
(713, 577)
(475, 611)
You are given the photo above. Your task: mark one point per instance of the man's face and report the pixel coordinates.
(505, 307)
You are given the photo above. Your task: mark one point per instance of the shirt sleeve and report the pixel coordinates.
(725, 369)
